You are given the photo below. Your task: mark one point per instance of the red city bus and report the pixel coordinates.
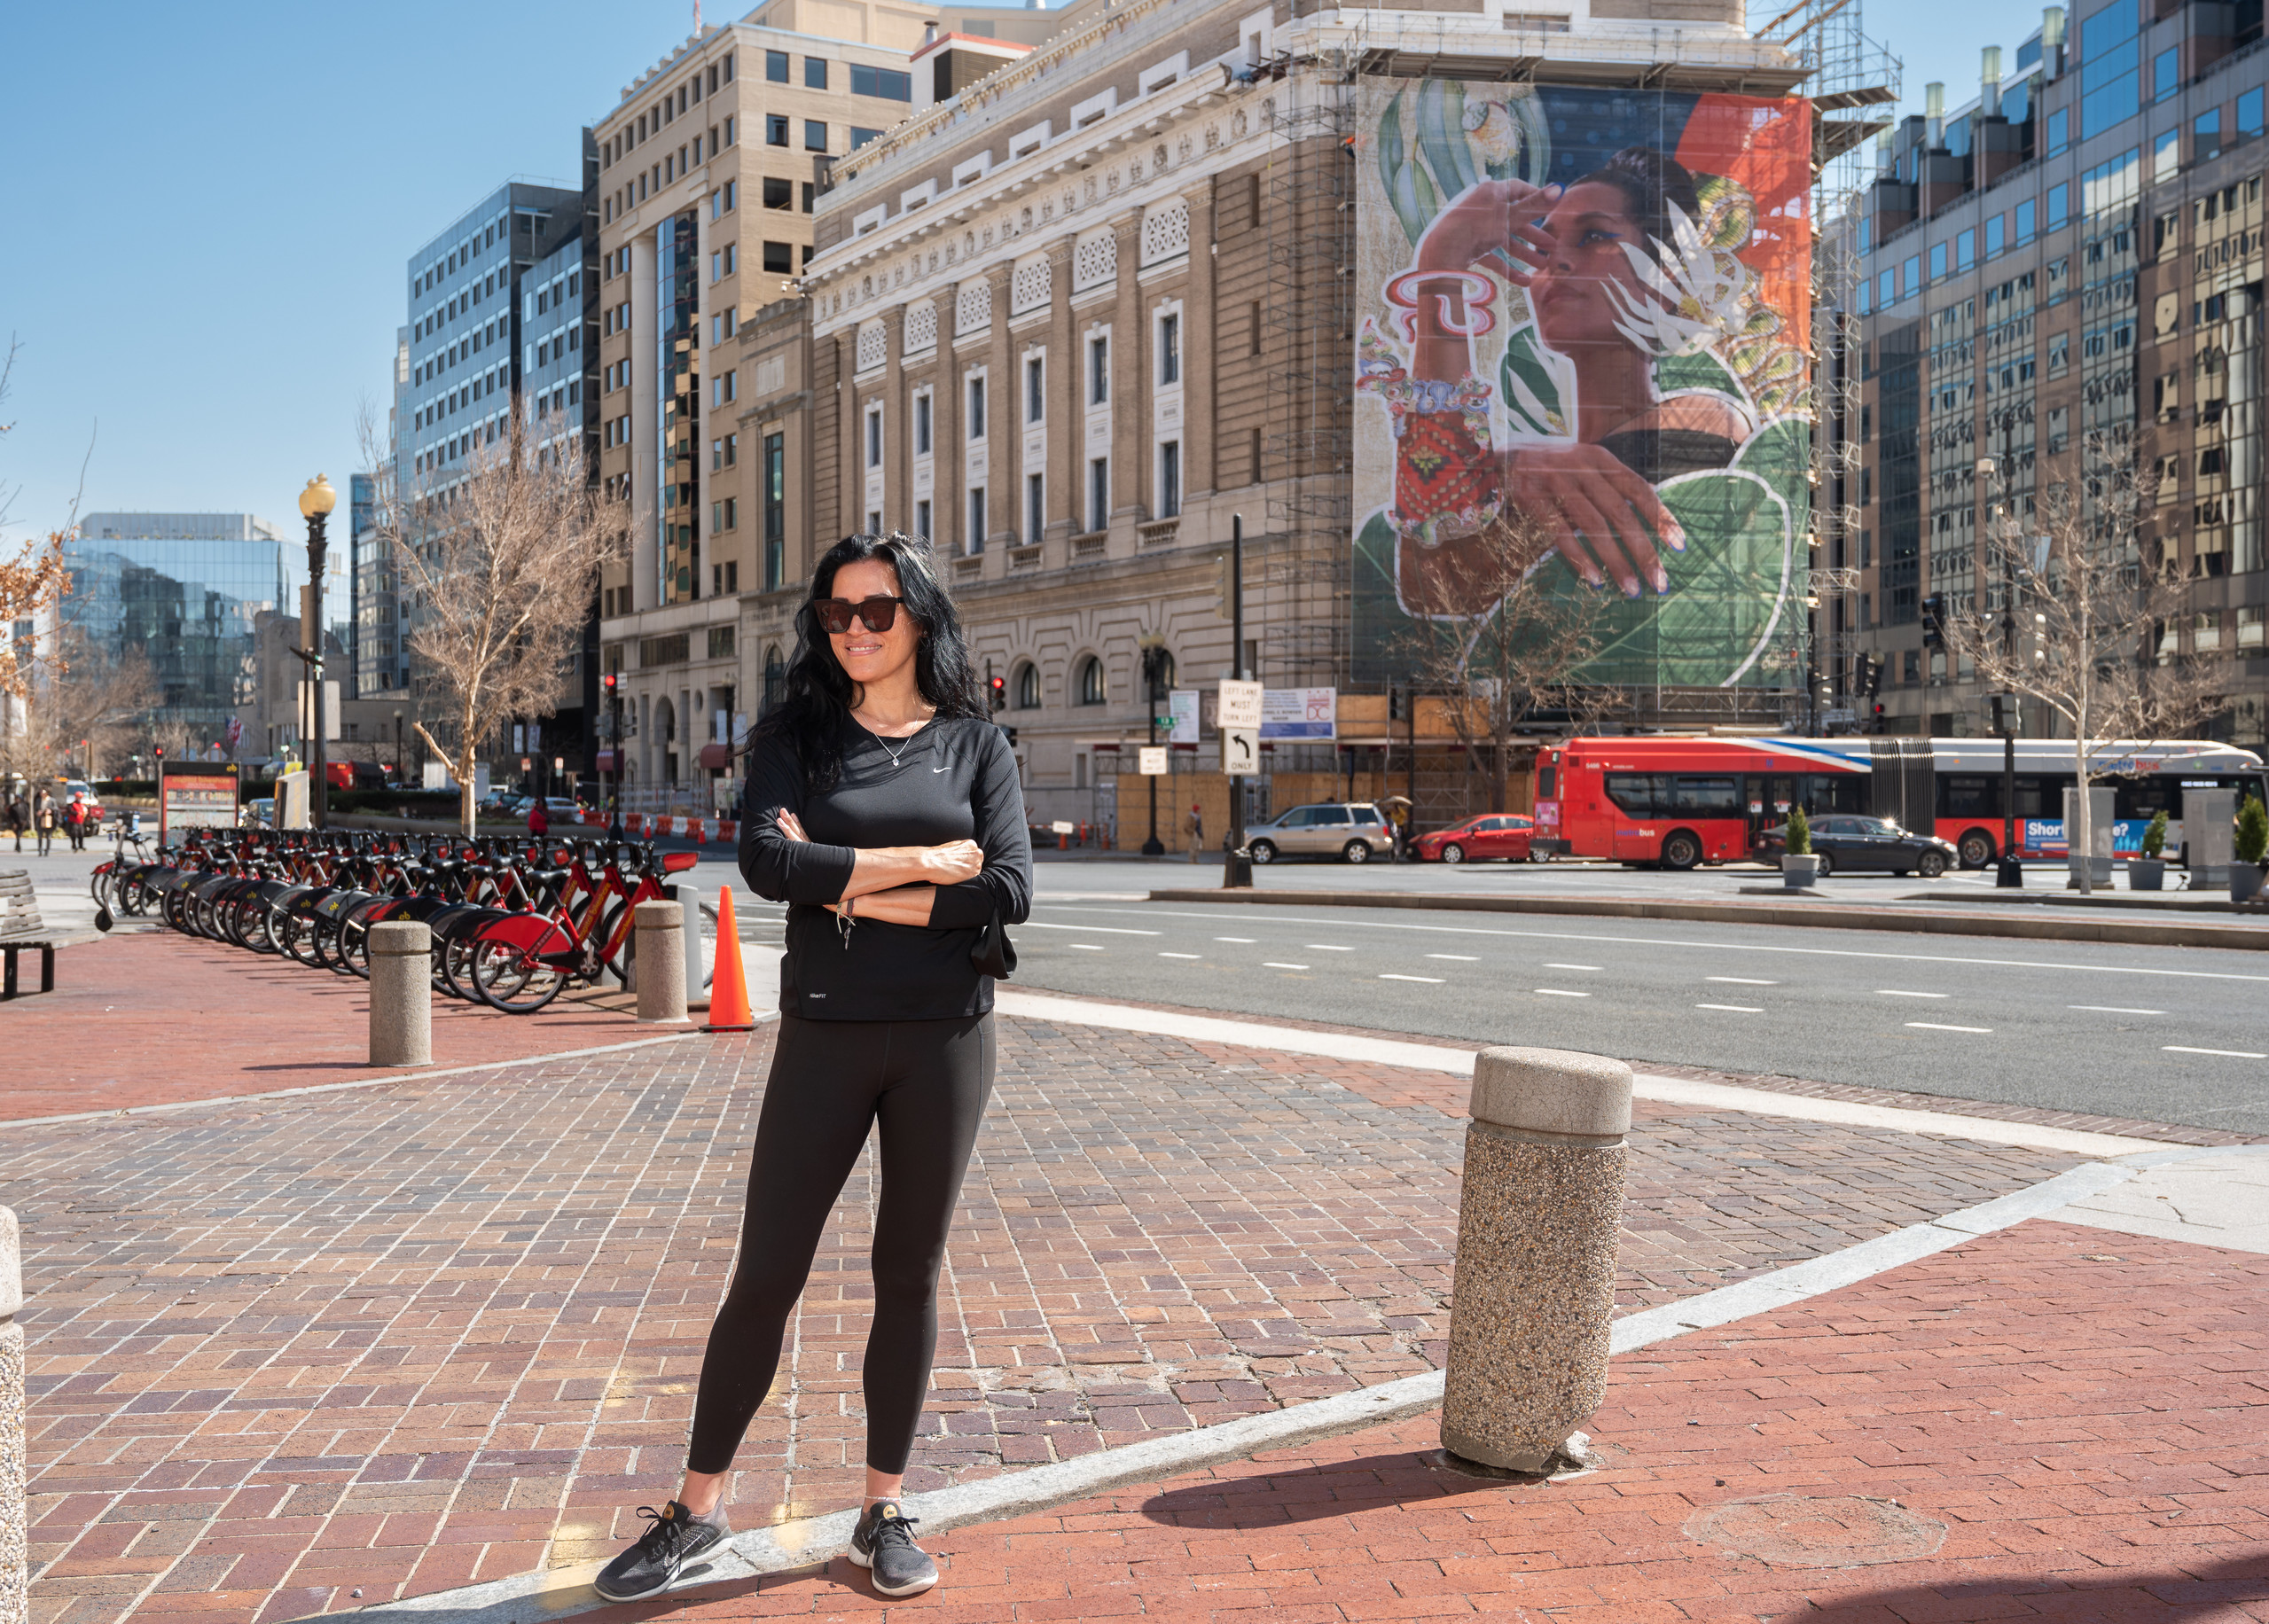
(1681, 801)
(1676, 801)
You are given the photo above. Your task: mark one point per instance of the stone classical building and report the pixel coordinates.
(709, 173)
(1093, 309)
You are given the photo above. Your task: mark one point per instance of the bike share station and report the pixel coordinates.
(505, 921)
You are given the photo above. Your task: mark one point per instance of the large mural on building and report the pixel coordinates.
(1585, 311)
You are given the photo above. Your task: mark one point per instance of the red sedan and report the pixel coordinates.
(1492, 834)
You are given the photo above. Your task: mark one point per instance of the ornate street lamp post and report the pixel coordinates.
(316, 503)
(1154, 678)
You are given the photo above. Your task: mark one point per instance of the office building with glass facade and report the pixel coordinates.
(186, 591)
(2077, 251)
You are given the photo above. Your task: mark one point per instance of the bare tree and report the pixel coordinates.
(96, 707)
(2086, 617)
(1498, 671)
(498, 565)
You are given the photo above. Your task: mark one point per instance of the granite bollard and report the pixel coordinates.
(402, 993)
(14, 1604)
(1537, 1218)
(660, 951)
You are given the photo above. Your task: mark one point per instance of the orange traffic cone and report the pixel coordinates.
(729, 1009)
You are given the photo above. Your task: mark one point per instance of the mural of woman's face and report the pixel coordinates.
(1589, 226)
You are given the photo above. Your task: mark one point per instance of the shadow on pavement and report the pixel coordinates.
(2207, 1592)
(1312, 1494)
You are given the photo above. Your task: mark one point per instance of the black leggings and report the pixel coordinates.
(928, 1082)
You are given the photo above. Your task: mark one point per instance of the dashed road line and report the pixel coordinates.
(1732, 1009)
(1886, 992)
(1431, 981)
(1933, 1025)
(1088, 947)
(2233, 1054)
(2112, 1008)
(1181, 955)
(1272, 965)
(1740, 980)
(1325, 947)
(1571, 967)
(1558, 992)
(1463, 958)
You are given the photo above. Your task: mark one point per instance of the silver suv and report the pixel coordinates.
(1351, 832)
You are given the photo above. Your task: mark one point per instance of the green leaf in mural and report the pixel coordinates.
(1442, 134)
(1397, 168)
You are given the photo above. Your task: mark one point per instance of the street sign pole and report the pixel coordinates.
(1236, 868)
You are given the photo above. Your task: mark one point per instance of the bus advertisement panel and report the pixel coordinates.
(1585, 309)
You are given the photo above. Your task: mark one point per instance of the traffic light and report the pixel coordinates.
(1879, 717)
(606, 681)
(2039, 639)
(997, 689)
(1933, 621)
(1395, 702)
(1875, 668)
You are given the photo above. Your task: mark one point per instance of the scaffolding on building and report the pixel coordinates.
(1852, 83)
(1298, 575)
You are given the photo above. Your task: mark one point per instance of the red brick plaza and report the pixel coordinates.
(294, 1354)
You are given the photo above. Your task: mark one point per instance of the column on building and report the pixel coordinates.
(1199, 450)
(1129, 409)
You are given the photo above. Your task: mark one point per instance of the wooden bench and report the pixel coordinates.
(21, 927)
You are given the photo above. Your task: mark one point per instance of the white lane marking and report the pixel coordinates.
(1733, 1008)
(1272, 965)
(1463, 958)
(1325, 947)
(1107, 930)
(1740, 980)
(1242, 942)
(2112, 1008)
(1571, 967)
(1886, 992)
(1431, 981)
(1709, 947)
(1088, 947)
(1181, 955)
(1932, 1026)
(1557, 992)
(2234, 1054)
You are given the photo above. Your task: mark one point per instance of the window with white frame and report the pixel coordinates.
(975, 543)
(1036, 509)
(1170, 478)
(1099, 493)
(1036, 389)
(1170, 346)
(922, 423)
(921, 518)
(1098, 370)
(875, 436)
(977, 406)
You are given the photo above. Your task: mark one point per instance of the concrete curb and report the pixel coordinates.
(1813, 915)
(536, 1599)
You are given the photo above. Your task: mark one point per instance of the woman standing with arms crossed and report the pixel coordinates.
(884, 809)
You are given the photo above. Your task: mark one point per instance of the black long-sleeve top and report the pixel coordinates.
(955, 780)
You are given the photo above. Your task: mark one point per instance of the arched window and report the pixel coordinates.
(775, 676)
(1090, 680)
(1028, 687)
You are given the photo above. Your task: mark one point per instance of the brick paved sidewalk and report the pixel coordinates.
(146, 1017)
(2048, 1424)
(402, 1338)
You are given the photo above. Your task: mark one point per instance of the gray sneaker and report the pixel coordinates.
(882, 1543)
(674, 1537)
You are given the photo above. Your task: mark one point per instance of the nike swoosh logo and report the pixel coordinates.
(947, 766)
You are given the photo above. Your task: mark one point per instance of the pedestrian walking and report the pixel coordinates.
(615, 820)
(74, 820)
(538, 825)
(885, 811)
(20, 816)
(1197, 831)
(44, 818)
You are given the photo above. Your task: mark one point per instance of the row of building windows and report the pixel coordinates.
(673, 105)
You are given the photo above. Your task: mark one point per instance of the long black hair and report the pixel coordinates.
(816, 695)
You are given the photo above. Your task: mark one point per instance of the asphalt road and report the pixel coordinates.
(2165, 1035)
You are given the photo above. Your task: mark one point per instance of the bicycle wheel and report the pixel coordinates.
(519, 965)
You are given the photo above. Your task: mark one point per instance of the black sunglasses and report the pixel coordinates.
(878, 613)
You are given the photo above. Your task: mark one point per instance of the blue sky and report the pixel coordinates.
(209, 207)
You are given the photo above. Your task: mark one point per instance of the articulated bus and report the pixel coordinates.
(1675, 802)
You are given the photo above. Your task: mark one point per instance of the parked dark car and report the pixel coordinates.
(1861, 844)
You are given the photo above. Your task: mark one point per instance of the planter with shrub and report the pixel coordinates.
(2148, 872)
(2252, 845)
(1800, 865)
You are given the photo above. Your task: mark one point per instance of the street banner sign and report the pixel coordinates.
(1152, 760)
(196, 795)
(1183, 702)
(1240, 705)
(1240, 750)
(1300, 713)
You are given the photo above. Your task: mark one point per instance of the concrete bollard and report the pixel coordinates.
(1537, 1221)
(14, 1562)
(402, 993)
(661, 949)
(697, 986)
